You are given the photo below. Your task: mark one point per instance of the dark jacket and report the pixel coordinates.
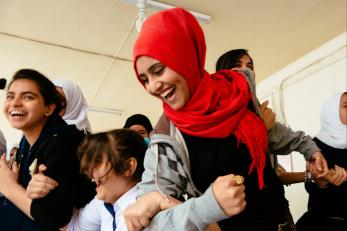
(56, 148)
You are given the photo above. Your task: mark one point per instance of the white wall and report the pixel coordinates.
(297, 93)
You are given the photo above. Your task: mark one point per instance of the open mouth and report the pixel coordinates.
(168, 94)
(17, 113)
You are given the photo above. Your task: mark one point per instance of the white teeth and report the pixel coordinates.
(15, 113)
(166, 94)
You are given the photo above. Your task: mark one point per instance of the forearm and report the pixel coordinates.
(283, 140)
(291, 177)
(16, 194)
(193, 214)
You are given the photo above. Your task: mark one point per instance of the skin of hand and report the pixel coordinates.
(336, 176)
(267, 115)
(229, 191)
(7, 176)
(317, 165)
(11, 189)
(139, 214)
(40, 185)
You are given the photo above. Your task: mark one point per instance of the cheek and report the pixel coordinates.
(4, 107)
(343, 116)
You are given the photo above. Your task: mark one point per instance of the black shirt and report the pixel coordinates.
(211, 158)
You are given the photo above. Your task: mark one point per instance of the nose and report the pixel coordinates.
(153, 85)
(16, 101)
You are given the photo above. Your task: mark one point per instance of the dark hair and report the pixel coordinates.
(230, 59)
(117, 146)
(139, 119)
(46, 87)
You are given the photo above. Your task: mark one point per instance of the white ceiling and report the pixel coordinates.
(79, 39)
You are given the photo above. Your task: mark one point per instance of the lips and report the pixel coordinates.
(168, 93)
(17, 113)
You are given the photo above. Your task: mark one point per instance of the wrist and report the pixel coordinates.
(308, 177)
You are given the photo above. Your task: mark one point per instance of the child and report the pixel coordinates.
(114, 161)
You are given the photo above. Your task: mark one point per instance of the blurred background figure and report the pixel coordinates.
(76, 107)
(11, 152)
(2, 143)
(140, 124)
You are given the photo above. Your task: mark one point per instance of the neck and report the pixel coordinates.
(123, 188)
(33, 134)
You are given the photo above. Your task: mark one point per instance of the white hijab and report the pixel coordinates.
(332, 132)
(77, 107)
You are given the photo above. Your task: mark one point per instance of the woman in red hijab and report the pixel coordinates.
(209, 147)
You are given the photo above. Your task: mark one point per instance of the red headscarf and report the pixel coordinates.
(218, 103)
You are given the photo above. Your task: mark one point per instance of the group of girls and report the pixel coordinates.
(206, 167)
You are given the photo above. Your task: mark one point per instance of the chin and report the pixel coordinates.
(101, 197)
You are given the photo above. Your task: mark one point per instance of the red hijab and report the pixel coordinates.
(218, 103)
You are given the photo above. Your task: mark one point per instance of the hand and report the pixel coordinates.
(318, 165)
(267, 115)
(230, 194)
(171, 202)
(7, 176)
(138, 215)
(40, 185)
(336, 176)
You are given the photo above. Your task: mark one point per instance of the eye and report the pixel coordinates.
(28, 97)
(236, 65)
(9, 96)
(159, 70)
(250, 66)
(143, 80)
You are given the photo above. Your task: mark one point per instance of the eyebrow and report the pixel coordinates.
(23, 93)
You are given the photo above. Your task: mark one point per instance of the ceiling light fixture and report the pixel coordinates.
(144, 4)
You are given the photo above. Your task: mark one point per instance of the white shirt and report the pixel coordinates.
(94, 216)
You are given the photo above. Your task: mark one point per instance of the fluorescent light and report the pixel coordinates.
(105, 110)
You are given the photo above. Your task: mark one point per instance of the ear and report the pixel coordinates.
(131, 167)
(50, 109)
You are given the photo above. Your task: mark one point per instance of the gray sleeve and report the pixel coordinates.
(283, 140)
(168, 182)
(192, 215)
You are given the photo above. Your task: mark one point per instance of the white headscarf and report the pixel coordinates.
(77, 107)
(332, 132)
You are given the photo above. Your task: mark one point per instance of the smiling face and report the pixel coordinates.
(24, 107)
(162, 82)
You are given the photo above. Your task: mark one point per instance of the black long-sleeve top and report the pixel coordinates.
(55, 148)
(330, 201)
(211, 158)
